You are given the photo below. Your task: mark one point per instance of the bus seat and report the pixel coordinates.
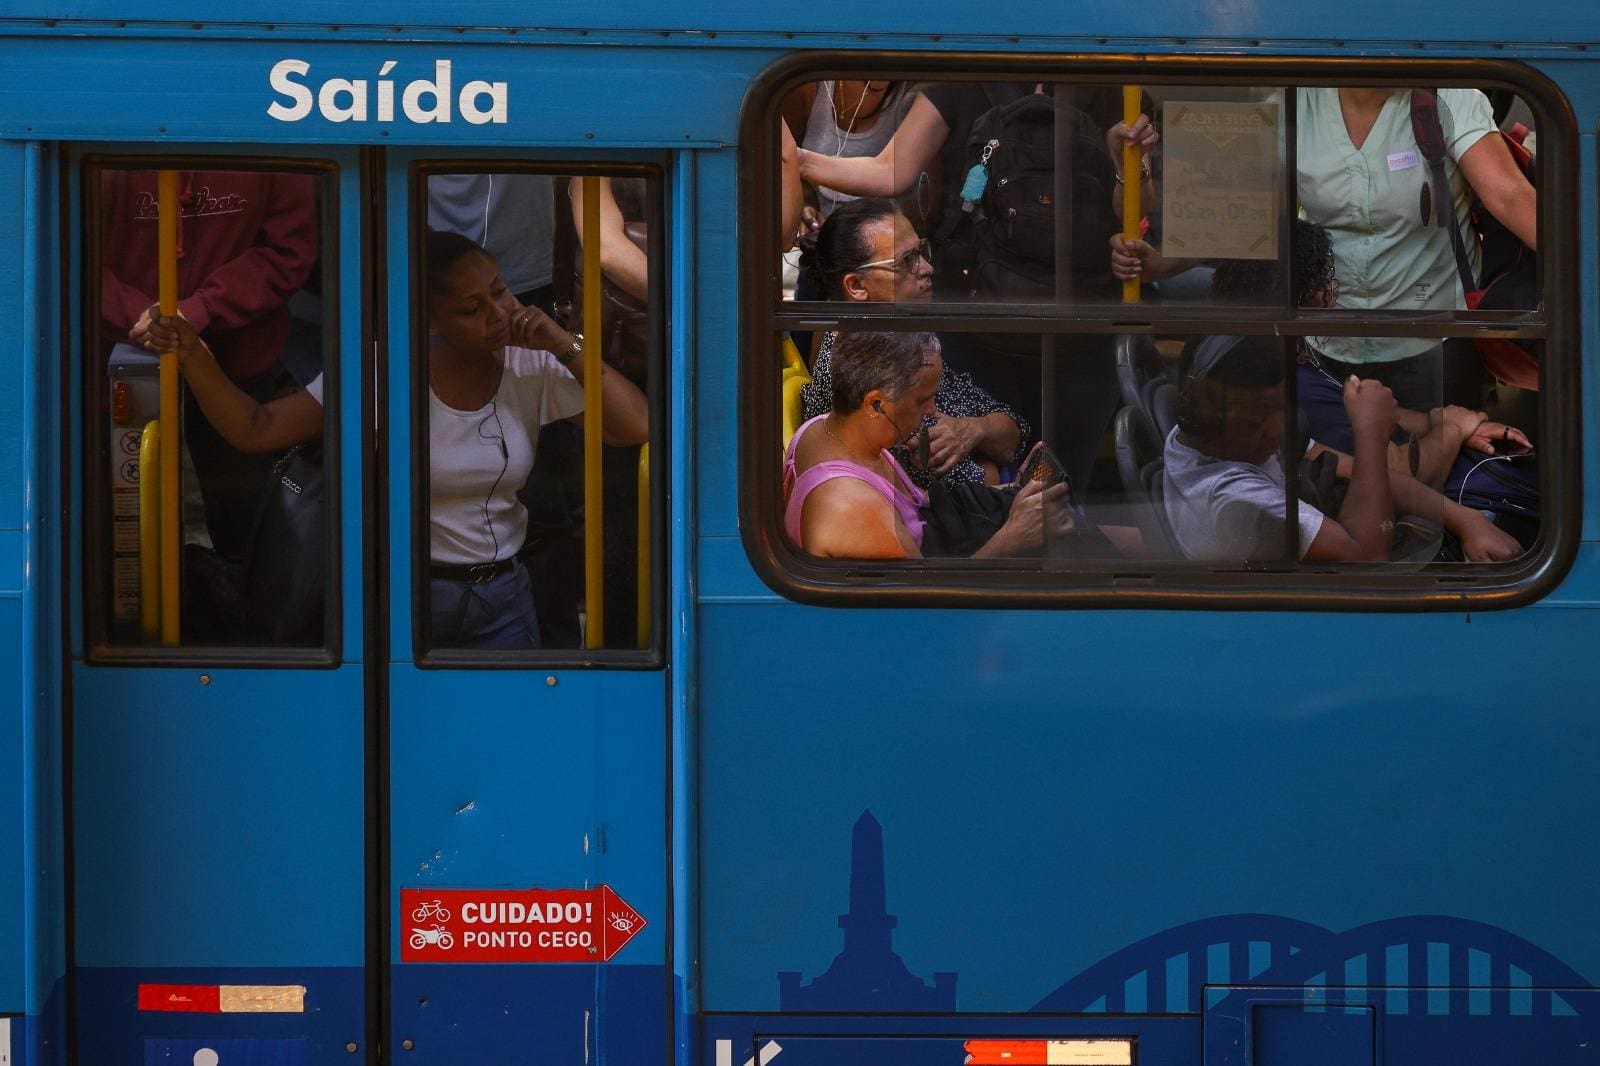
(1139, 465)
(793, 414)
(791, 356)
(1162, 406)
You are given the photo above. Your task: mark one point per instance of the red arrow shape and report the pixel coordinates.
(619, 923)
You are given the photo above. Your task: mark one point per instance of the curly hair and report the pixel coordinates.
(1254, 281)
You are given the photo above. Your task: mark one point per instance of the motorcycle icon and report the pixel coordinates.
(438, 936)
(434, 909)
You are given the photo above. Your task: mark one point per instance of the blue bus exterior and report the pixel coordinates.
(1196, 834)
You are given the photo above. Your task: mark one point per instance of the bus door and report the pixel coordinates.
(521, 405)
(218, 716)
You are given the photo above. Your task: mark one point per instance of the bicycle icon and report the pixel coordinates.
(434, 909)
(438, 936)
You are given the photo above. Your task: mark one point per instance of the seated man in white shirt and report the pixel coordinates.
(1225, 484)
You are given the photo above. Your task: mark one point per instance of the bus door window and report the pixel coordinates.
(248, 329)
(533, 542)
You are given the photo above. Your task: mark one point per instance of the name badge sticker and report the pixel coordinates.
(1403, 160)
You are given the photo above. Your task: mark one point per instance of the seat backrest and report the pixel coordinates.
(1130, 382)
(793, 414)
(1138, 453)
(1122, 434)
(1163, 408)
(791, 356)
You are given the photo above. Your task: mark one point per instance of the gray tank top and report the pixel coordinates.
(824, 136)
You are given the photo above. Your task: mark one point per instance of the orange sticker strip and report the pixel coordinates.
(224, 999)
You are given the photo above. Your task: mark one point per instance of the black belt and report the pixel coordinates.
(475, 573)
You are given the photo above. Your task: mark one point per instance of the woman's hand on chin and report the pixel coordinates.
(532, 328)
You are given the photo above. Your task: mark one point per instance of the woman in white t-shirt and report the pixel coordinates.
(497, 372)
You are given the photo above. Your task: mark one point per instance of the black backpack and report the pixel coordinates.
(1009, 250)
(286, 568)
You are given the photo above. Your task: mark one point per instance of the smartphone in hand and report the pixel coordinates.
(1043, 465)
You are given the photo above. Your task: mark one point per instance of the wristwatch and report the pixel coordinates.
(571, 351)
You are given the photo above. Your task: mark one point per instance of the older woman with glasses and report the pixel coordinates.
(868, 252)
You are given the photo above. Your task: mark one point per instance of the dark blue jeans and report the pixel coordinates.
(493, 615)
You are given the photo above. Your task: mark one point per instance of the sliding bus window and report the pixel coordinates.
(210, 523)
(995, 286)
(541, 478)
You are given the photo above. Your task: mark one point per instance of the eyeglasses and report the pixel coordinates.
(906, 261)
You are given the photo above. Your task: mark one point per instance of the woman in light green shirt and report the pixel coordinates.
(1360, 174)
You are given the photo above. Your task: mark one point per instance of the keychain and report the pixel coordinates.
(977, 179)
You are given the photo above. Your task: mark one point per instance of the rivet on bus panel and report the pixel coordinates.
(205, 679)
(408, 1045)
(551, 680)
(351, 1047)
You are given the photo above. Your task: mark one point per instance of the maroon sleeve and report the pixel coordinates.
(120, 303)
(268, 273)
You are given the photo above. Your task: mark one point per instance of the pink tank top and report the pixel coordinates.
(907, 499)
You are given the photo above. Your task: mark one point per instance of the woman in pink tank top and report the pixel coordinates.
(845, 495)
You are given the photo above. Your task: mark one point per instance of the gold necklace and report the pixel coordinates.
(826, 428)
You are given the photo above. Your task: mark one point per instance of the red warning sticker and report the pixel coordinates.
(516, 925)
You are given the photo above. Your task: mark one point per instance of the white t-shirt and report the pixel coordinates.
(476, 516)
(479, 459)
(1222, 510)
(1370, 199)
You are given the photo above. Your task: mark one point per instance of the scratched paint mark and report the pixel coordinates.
(586, 843)
(427, 863)
(472, 805)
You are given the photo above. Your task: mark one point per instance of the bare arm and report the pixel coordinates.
(1000, 436)
(1502, 188)
(847, 518)
(893, 170)
(1481, 540)
(1439, 434)
(793, 198)
(247, 425)
(621, 261)
(624, 412)
(1364, 527)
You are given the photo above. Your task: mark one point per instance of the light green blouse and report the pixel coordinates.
(1370, 200)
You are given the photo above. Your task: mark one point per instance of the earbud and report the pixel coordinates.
(877, 405)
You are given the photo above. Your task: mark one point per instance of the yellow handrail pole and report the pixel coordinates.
(642, 612)
(150, 531)
(1132, 176)
(593, 506)
(171, 527)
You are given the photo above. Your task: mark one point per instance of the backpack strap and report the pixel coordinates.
(1429, 133)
